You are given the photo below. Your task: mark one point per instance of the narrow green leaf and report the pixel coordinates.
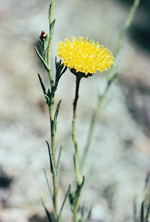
(58, 167)
(71, 200)
(42, 60)
(47, 212)
(147, 180)
(79, 188)
(52, 27)
(49, 11)
(57, 64)
(56, 114)
(49, 187)
(49, 93)
(64, 70)
(68, 191)
(50, 158)
(83, 180)
(147, 218)
(42, 84)
(142, 212)
(58, 73)
(89, 214)
(111, 79)
(47, 98)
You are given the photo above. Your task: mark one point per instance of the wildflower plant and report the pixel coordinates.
(84, 58)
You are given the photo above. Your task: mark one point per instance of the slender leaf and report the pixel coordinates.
(142, 212)
(52, 27)
(89, 214)
(42, 84)
(49, 93)
(49, 11)
(68, 191)
(64, 70)
(71, 199)
(60, 73)
(58, 167)
(42, 60)
(47, 98)
(147, 180)
(50, 158)
(49, 187)
(47, 212)
(56, 114)
(147, 219)
(79, 188)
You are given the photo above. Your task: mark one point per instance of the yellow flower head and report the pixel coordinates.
(84, 57)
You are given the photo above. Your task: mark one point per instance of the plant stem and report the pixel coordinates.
(76, 161)
(92, 127)
(74, 128)
(126, 25)
(51, 33)
(76, 211)
(51, 115)
(111, 77)
(51, 107)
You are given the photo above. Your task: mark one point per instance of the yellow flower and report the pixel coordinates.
(85, 57)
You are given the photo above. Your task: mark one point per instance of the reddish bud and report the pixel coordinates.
(43, 35)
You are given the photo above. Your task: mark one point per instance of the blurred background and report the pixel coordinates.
(119, 156)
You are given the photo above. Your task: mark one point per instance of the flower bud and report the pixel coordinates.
(43, 35)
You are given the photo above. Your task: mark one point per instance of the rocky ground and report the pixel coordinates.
(119, 157)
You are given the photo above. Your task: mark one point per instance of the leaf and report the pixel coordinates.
(68, 191)
(42, 60)
(142, 212)
(64, 70)
(50, 159)
(111, 79)
(52, 27)
(56, 114)
(49, 11)
(42, 84)
(47, 212)
(49, 187)
(79, 187)
(57, 63)
(58, 167)
(89, 214)
(147, 180)
(147, 218)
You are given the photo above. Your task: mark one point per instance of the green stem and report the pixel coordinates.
(126, 25)
(92, 127)
(74, 128)
(51, 33)
(76, 160)
(123, 33)
(54, 177)
(51, 107)
(76, 211)
(111, 79)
